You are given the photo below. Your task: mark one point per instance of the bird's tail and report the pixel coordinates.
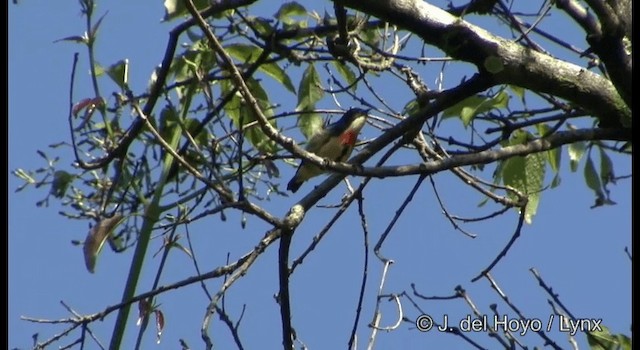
(294, 184)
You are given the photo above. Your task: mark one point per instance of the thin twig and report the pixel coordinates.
(492, 331)
(365, 268)
(376, 313)
(397, 215)
(541, 333)
(504, 251)
(549, 291)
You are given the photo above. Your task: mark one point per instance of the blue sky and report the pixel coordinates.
(579, 251)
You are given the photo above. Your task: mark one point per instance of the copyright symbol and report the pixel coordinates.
(424, 323)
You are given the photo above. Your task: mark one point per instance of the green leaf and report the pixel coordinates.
(249, 53)
(526, 174)
(369, 34)
(255, 135)
(556, 181)
(591, 178)
(119, 73)
(197, 58)
(466, 114)
(535, 169)
(169, 122)
(276, 72)
(497, 174)
(310, 123)
(192, 125)
(177, 8)
(309, 90)
(606, 168)
(603, 340)
(261, 95)
(520, 137)
(500, 100)
(99, 69)
(472, 106)
(240, 112)
(542, 129)
(519, 91)
(553, 155)
(483, 202)
(232, 108)
(261, 25)
(576, 151)
(469, 102)
(94, 29)
(288, 10)
(243, 52)
(346, 73)
(60, 183)
(514, 174)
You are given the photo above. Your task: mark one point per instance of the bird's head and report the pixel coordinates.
(351, 121)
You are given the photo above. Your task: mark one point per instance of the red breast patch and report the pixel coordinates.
(348, 138)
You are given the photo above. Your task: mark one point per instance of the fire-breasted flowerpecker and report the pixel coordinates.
(334, 142)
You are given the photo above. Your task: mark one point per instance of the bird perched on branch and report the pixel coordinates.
(334, 142)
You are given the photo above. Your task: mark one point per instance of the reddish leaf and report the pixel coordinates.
(95, 239)
(144, 308)
(89, 103)
(159, 324)
(81, 105)
(89, 106)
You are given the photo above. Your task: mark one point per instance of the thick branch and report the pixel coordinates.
(517, 65)
(610, 46)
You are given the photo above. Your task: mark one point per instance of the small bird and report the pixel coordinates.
(334, 142)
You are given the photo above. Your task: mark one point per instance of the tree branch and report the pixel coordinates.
(123, 144)
(510, 62)
(485, 157)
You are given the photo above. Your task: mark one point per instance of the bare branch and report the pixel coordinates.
(550, 291)
(365, 269)
(240, 268)
(375, 323)
(556, 140)
(542, 334)
(504, 251)
(492, 330)
(395, 218)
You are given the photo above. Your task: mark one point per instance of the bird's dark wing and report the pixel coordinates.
(317, 140)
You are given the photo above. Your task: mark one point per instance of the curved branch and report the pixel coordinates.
(517, 65)
(505, 250)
